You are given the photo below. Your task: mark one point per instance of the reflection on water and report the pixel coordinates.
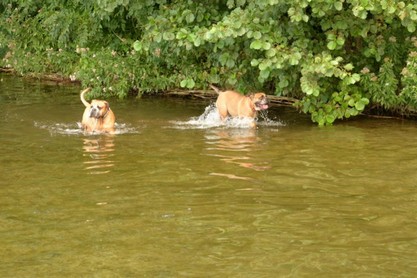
(233, 141)
(99, 153)
(235, 146)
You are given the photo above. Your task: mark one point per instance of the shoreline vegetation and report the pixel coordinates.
(332, 59)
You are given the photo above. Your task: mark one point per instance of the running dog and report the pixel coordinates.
(234, 104)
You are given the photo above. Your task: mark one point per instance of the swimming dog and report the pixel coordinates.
(97, 115)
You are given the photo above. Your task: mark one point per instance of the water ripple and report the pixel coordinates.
(75, 128)
(99, 153)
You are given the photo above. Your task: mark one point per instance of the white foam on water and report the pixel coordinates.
(268, 122)
(76, 128)
(211, 118)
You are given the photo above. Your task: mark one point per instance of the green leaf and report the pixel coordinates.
(137, 46)
(338, 6)
(359, 106)
(230, 63)
(187, 83)
(411, 27)
(348, 67)
(232, 80)
(283, 83)
(168, 36)
(330, 119)
(356, 77)
(413, 15)
(340, 40)
(254, 62)
(257, 44)
(224, 58)
(190, 83)
(347, 114)
(293, 60)
(182, 34)
(158, 37)
(257, 35)
(266, 46)
(183, 83)
(332, 45)
(271, 52)
(331, 36)
(364, 101)
(351, 112)
(190, 18)
(264, 74)
(321, 120)
(197, 42)
(264, 64)
(306, 106)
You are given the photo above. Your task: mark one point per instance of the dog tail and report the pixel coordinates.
(215, 88)
(83, 99)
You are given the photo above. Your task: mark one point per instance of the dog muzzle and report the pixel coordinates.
(262, 105)
(94, 113)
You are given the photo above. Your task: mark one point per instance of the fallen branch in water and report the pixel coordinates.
(8, 70)
(45, 77)
(192, 93)
(211, 94)
(284, 101)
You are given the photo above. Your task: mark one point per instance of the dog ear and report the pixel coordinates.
(251, 95)
(107, 105)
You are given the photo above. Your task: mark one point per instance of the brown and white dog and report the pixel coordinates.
(97, 117)
(235, 104)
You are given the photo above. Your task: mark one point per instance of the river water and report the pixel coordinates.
(176, 193)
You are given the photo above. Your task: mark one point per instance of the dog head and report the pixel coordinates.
(259, 100)
(99, 109)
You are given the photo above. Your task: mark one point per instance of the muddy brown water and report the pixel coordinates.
(176, 193)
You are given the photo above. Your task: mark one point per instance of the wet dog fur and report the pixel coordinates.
(97, 116)
(234, 104)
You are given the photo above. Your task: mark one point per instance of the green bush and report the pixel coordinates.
(336, 57)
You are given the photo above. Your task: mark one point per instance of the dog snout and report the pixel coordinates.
(94, 113)
(263, 100)
(262, 103)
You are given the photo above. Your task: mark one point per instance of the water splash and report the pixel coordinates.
(76, 128)
(211, 118)
(267, 121)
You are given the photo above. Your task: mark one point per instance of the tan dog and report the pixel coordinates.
(237, 105)
(97, 115)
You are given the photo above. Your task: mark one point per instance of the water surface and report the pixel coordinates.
(176, 193)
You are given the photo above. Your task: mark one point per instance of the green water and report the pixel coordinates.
(169, 197)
